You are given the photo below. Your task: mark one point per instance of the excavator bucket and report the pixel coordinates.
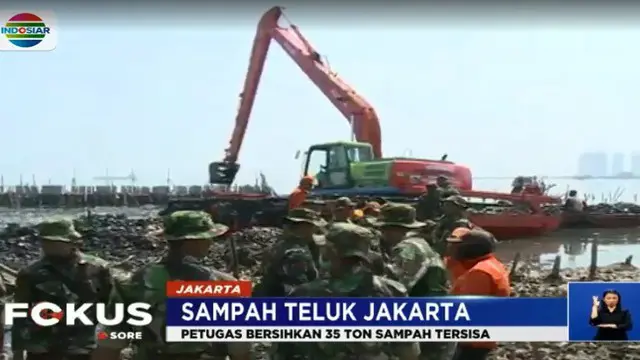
(221, 173)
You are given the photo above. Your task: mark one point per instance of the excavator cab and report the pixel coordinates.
(331, 163)
(222, 173)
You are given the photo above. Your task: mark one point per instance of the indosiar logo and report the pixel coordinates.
(28, 31)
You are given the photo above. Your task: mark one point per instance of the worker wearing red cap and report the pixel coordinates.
(480, 273)
(299, 195)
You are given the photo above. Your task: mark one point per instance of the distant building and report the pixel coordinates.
(635, 163)
(593, 164)
(617, 164)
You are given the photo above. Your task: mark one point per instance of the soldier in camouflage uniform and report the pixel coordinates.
(426, 232)
(413, 262)
(409, 255)
(370, 211)
(294, 260)
(454, 208)
(63, 275)
(429, 204)
(189, 235)
(445, 187)
(343, 210)
(350, 276)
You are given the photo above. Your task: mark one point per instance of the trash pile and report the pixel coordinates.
(113, 237)
(251, 244)
(132, 242)
(615, 208)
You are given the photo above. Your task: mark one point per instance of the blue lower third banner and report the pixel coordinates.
(603, 311)
(366, 319)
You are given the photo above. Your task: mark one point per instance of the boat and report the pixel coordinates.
(508, 226)
(513, 216)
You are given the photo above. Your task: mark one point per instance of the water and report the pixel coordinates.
(574, 247)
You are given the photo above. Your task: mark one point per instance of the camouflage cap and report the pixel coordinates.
(457, 200)
(58, 230)
(402, 215)
(305, 215)
(191, 225)
(344, 202)
(350, 239)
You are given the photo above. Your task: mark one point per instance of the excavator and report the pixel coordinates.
(346, 168)
(341, 168)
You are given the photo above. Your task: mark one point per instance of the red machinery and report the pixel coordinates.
(360, 114)
(353, 169)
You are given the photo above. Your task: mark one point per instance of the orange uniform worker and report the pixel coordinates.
(477, 272)
(299, 195)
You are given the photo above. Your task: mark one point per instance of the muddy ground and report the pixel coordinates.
(133, 242)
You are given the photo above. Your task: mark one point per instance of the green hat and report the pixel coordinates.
(402, 215)
(457, 200)
(58, 230)
(191, 225)
(304, 215)
(350, 239)
(344, 202)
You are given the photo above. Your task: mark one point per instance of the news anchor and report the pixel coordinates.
(610, 318)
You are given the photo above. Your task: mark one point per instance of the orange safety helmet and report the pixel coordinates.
(357, 214)
(458, 234)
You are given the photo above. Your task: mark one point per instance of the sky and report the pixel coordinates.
(504, 99)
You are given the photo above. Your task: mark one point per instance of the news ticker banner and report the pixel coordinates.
(200, 312)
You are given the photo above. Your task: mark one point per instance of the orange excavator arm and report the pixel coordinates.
(352, 106)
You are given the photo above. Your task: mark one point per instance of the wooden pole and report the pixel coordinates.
(593, 267)
(555, 270)
(514, 265)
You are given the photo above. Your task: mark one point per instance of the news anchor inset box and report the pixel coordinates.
(603, 311)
